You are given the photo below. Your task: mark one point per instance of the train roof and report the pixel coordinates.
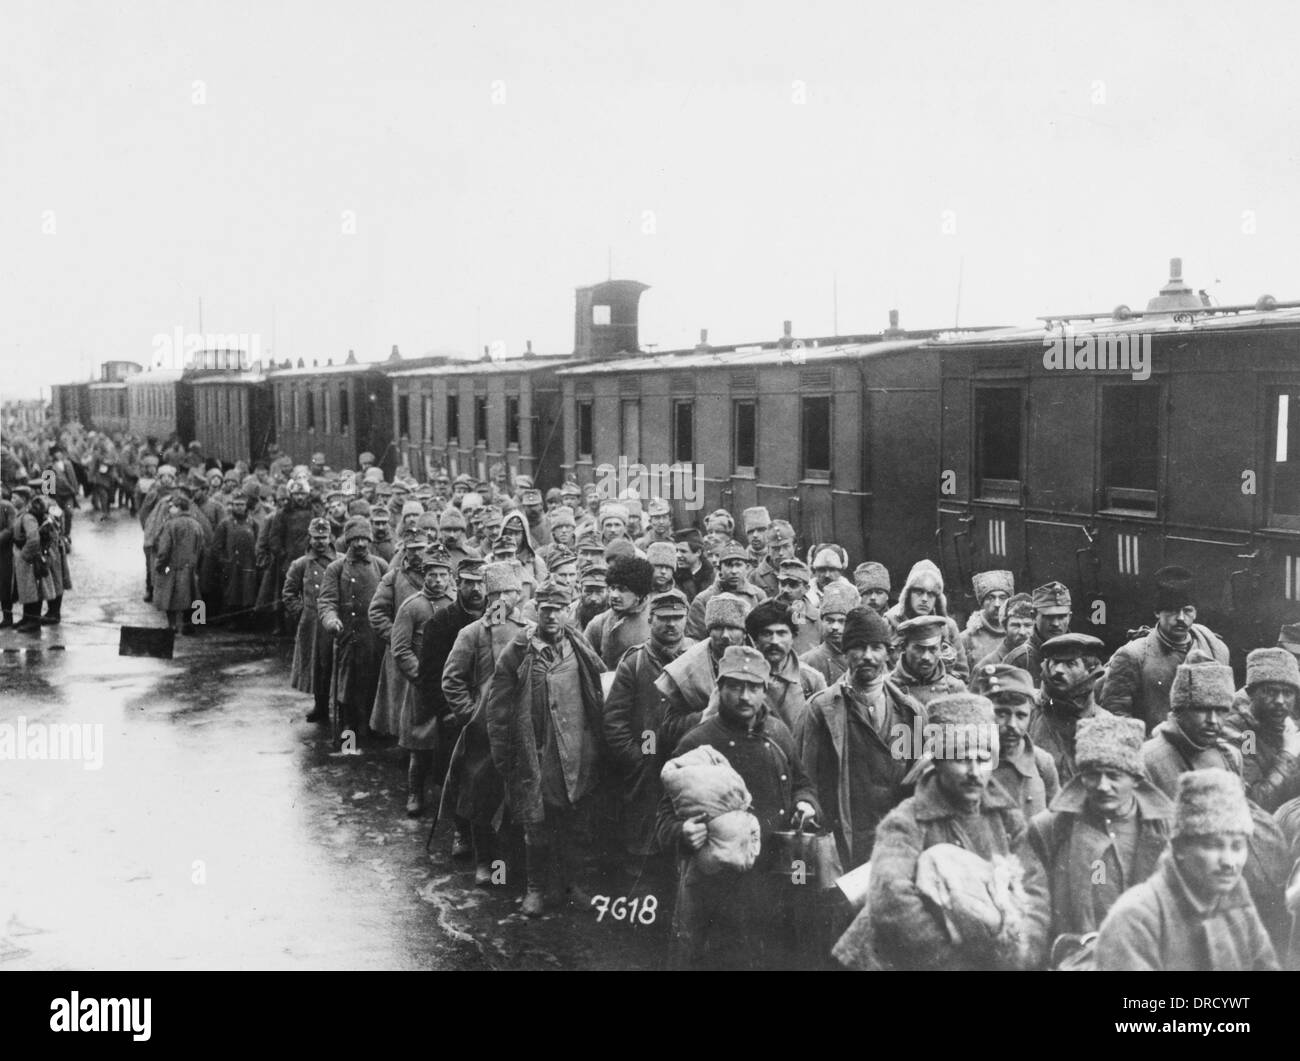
(348, 368)
(247, 376)
(753, 356)
(110, 384)
(155, 375)
(510, 366)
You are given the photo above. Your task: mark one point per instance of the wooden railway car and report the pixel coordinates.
(232, 414)
(836, 435)
(160, 404)
(468, 417)
(108, 407)
(339, 410)
(70, 403)
(1185, 453)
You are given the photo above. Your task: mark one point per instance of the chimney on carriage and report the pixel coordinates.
(703, 347)
(787, 335)
(1175, 296)
(893, 331)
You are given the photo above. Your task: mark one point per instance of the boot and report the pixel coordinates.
(538, 862)
(7, 621)
(463, 846)
(415, 776)
(31, 620)
(53, 612)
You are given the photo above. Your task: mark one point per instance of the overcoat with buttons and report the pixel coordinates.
(345, 595)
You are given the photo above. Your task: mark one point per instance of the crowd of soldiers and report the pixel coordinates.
(999, 793)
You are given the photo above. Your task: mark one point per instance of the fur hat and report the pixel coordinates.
(412, 508)
(871, 575)
(924, 569)
(725, 609)
(839, 598)
(960, 709)
(657, 506)
(1211, 801)
(828, 554)
(1201, 683)
(632, 573)
(720, 515)
(1173, 588)
(1111, 742)
(498, 577)
(756, 518)
(562, 517)
(661, 554)
(985, 582)
(619, 547)
(358, 527)
(451, 519)
(613, 510)
(863, 627)
(1272, 665)
(765, 614)
(359, 507)
(373, 475)
(1021, 606)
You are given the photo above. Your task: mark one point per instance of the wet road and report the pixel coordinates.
(216, 831)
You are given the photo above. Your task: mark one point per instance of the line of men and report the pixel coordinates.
(542, 657)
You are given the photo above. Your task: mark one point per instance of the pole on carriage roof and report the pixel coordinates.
(835, 303)
(961, 268)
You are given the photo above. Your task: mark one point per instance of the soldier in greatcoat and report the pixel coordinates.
(178, 552)
(402, 580)
(313, 649)
(235, 546)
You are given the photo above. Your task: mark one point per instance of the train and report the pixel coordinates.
(1091, 448)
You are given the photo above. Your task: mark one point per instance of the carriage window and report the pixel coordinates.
(311, 411)
(630, 429)
(512, 421)
(1284, 469)
(1130, 435)
(404, 416)
(744, 429)
(343, 408)
(480, 420)
(998, 412)
(684, 432)
(427, 411)
(816, 430)
(584, 431)
(453, 417)
(600, 315)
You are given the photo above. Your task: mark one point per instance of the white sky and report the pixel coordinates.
(1079, 146)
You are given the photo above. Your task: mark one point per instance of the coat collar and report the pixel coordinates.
(1172, 881)
(1151, 802)
(930, 804)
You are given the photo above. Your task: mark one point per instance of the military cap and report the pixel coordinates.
(1021, 606)
(829, 555)
(780, 531)
(1201, 682)
(1289, 637)
(922, 628)
(1110, 742)
(670, 602)
(357, 527)
(794, 568)
(1051, 599)
(471, 568)
(871, 575)
(379, 513)
(756, 518)
(400, 486)
(471, 501)
(428, 521)
(553, 494)
(22, 491)
(661, 554)
(721, 515)
(530, 497)
(1173, 588)
(954, 710)
(504, 547)
(633, 505)
(588, 543)
(986, 582)
(318, 526)
(335, 495)
(745, 664)
(493, 516)
(424, 492)
(594, 575)
(560, 557)
(366, 458)
(522, 482)
(318, 458)
(657, 506)
(997, 679)
(465, 478)
(215, 478)
(149, 458)
(551, 595)
(839, 598)
(373, 475)
(588, 489)
(436, 556)
(1072, 646)
(733, 550)
(691, 536)
(441, 476)
(412, 508)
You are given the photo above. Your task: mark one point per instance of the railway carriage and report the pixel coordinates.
(232, 407)
(160, 403)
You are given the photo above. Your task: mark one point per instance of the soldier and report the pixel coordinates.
(660, 515)
(345, 595)
(8, 523)
(1028, 773)
(515, 530)
(625, 624)
(755, 522)
(380, 522)
(408, 629)
(732, 578)
(1070, 669)
(151, 519)
(1271, 768)
(1140, 674)
(985, 631)
(828, 657)
(848, 739)
(633, 715)
(791, 684)
(1200, 698)
(593, 599)
(235, 550)
(908, 923)
(793, 581)
(451, 529)
(694, 570)
(612, 519)
(923, 596)
(744, 920)
(473, 793)
(1106, 830)
(1018, 619)
(872, 582)
(1195, 912)
(662, 557)
(920, 671)
(1051, 619)
(313, 648)
(562, 534)
(780, 548)
(403, 580)
(178, 552)
(544, 726)
(688, 682)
